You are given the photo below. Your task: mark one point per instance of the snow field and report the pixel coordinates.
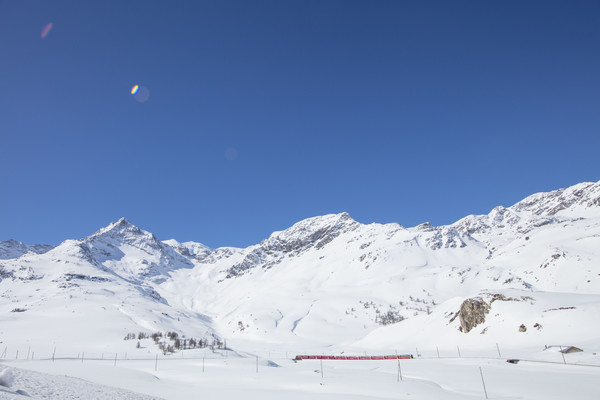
(232, 377)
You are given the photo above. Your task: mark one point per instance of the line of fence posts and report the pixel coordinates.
(399, 376)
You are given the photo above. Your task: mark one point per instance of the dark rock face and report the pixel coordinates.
(305, 235)
(472, 313)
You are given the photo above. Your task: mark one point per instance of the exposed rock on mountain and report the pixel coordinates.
(192, 250)
(14, 249)
(330, 278)
(472, 313)
(130, 252)
(294, 241)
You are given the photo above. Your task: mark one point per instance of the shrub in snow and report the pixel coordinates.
(6, 377)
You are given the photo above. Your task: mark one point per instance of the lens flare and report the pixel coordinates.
(141, 94)
(46, 30)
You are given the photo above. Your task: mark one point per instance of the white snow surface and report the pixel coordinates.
(325, 285)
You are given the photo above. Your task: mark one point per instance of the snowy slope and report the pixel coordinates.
(332, 280)
(327, 284)
(325, 281)
(101, 286)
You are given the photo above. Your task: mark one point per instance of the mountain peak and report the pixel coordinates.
(316, 225)
(123, 221)
(119, 228)
(12, 248)
(584, 195)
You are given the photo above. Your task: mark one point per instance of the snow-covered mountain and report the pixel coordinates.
(327, 280)
(14, 249)
(102, 285)
(336, 279)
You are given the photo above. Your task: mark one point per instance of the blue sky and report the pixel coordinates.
(263, 113)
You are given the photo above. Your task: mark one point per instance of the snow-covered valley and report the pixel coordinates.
(456, 297)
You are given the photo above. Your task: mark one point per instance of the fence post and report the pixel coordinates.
(399, 378)
(202, 363)
(459, 356)
(257, 364)
(321, 368)
(28, 350)
(156, 363)
(115, 359)
(561, 353)
(482, 381)
(53, 353)
(82, 355)
(17, 356)
(438, 351)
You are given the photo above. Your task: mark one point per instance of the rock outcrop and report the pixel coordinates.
(472, 313)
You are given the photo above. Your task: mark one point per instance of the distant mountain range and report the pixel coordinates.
(326, 280)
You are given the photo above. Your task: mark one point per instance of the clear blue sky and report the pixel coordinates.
(263, 113)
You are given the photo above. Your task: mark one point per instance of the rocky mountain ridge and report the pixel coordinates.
(327, 274)
(13, 249)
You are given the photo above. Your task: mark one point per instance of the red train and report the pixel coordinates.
(324, 357)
